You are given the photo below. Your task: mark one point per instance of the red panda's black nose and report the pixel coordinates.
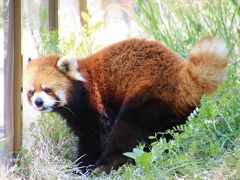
(39, 102)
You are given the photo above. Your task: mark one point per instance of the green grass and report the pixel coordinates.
(208, 148)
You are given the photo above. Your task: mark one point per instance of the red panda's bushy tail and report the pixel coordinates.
(207, 64)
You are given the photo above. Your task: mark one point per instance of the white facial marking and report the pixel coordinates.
(76, 75)
(48, 101)
(47, 110)
(61, 95)
(43, 86)
(30, 88)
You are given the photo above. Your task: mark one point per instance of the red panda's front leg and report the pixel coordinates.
(137, 120)
(88, 152)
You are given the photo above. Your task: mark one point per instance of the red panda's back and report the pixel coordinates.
(125, 67)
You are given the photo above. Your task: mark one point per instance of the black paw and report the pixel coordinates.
(84, 170)
(110, 163)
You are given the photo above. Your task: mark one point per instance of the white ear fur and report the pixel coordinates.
(69, 65)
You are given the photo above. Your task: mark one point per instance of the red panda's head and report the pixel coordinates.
(48, 81)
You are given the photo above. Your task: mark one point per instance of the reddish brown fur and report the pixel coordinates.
(129, 73)
(156, 67)
(123, 76)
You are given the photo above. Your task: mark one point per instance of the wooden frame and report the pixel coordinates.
(13, 80)
(53, 14)
(17, 77)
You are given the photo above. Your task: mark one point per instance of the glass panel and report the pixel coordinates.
(116, 25)
(34, 21)
(34, 27)
(69, 16)
(4, 19)
(115, 19)
(1, 69)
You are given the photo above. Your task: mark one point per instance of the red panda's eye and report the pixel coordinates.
(47, 90)
(31, 92)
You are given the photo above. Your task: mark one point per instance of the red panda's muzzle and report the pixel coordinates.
(44, 102)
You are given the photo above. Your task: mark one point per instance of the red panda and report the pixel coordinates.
(122, 94)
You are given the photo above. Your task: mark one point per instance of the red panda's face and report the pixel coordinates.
(47, 87)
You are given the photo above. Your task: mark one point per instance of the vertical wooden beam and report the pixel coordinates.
(53, 15)
(13, 79)
(82, 8)
(8, 80)
(17, 77)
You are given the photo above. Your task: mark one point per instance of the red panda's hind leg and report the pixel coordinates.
(139, 118)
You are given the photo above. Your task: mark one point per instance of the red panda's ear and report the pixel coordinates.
(64, 67)
(69, 66)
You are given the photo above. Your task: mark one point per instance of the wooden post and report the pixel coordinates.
(17, 80)
(82, 8)
(53, 15)
(13, 80)
(8, 82)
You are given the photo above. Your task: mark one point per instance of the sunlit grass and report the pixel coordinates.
(179, 24)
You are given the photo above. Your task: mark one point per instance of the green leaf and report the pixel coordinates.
(130, 154)
(144, 160)
(96, 26)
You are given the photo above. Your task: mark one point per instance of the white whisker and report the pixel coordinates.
(65, 108)
(68, 110)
